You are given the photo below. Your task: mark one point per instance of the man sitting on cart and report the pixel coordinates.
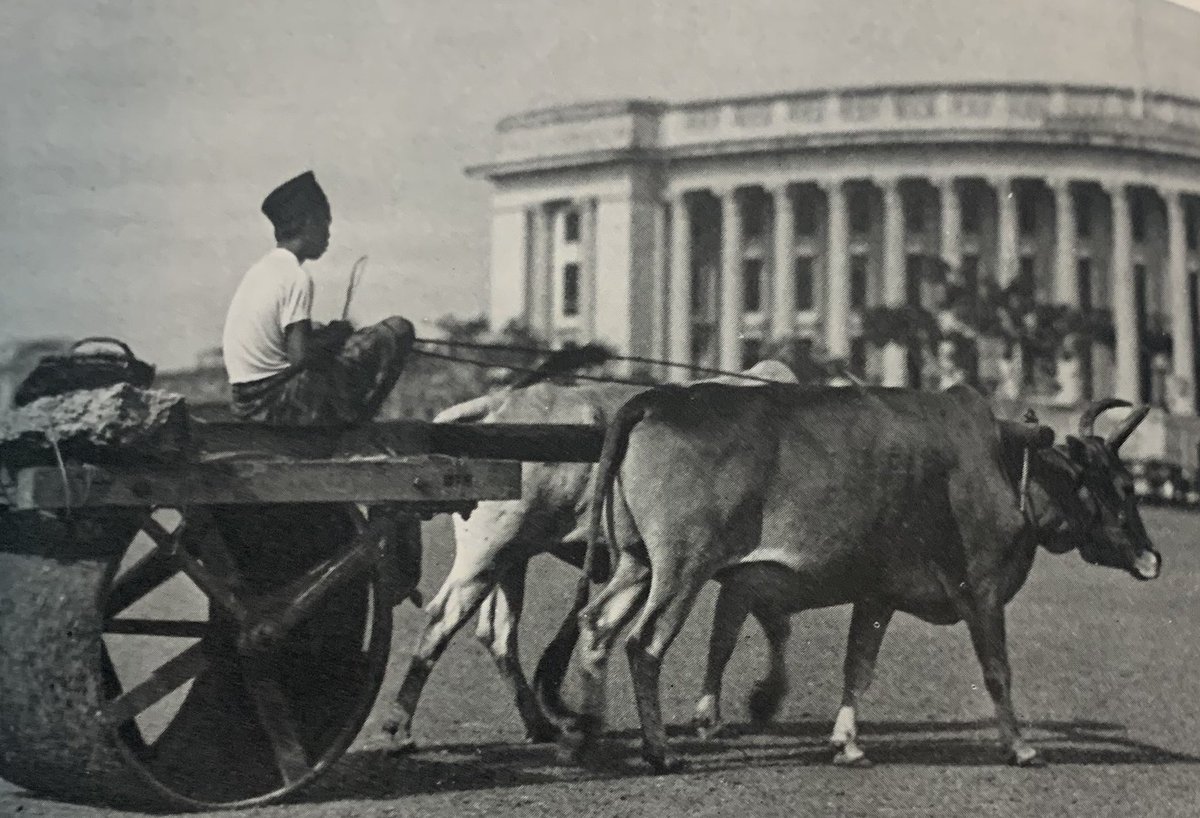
(283, 369)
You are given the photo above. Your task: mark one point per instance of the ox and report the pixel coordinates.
(795, 499)
(493, 547)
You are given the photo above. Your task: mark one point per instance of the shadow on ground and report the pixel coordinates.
(462, 767)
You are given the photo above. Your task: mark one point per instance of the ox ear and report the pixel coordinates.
(1126, 427)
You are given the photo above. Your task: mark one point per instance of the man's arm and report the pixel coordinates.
(312, 349)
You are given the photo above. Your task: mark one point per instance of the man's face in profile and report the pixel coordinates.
(316, 236)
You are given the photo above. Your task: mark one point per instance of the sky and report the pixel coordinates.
(138, 138)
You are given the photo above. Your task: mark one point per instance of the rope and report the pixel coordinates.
(636, 359)
(531, 370)
(1031, 418)
(52, 436)
(1025, 479)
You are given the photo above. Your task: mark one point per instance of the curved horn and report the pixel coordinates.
(1088, 419)
(1125, 427)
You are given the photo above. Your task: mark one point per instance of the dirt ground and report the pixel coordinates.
(1105, 676)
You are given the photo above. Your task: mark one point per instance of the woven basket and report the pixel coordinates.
(57, 374)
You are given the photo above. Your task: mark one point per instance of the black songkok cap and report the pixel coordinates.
(295, 200)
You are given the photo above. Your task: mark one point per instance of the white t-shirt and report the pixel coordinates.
(274, 293)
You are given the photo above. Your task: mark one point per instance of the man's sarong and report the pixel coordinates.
(350, 388)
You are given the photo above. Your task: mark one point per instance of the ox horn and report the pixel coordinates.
(1125, 427)
(1096, 408)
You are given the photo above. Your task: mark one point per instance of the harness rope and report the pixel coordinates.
(637, 359)
(1025, 500)
(534, 371)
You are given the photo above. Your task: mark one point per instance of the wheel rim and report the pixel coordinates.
(239, 729)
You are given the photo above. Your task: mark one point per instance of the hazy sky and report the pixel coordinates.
(138, 138)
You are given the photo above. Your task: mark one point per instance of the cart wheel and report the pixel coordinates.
(125, 683)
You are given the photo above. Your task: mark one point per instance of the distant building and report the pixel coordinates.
(701, 231)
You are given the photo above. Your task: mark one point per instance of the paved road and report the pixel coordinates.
(1105, 673)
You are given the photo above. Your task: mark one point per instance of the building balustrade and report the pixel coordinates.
(656, 126)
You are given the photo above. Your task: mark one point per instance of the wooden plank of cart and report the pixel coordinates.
(213, 632)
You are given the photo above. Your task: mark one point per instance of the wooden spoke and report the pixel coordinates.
(276, 718)
(205, 541)
(161, 683)
(144, 576)
(165, 540)
(179, 628)
(129, 731)
(215, 577)
(358, 516)
(306, 592)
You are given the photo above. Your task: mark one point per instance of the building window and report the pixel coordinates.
(860, 212)
(1083, 218)
(752, 285)
(914, 215)
(858, 356)
(969, 212)
(703, 351)
(802, 276)
(1027, 270)
(1137, 220)
(970, 274)
(751, 352)
(570, 282)
(702, 291)
(858, 281)
(1190, 227)
(754, 217)
(571, 226)
(806, 216)
(914, 268)
(1027, 214)
(1083, 278)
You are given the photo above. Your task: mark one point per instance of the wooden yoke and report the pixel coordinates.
(1026, 435)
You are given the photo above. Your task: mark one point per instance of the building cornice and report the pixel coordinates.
(1028, 113)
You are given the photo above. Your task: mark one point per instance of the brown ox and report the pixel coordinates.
(795, 499)
(494, 546)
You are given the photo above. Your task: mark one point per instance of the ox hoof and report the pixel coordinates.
(666, 765)
(764, 702)
(541, 733)
(573, 748)
(399, 742)
(1027, 758)
(710, 730)
(852, 758)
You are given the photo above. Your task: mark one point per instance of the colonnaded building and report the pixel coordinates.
(701, 231)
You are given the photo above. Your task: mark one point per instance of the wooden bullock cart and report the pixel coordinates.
(213, 631)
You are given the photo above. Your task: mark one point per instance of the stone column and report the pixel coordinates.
(1066, 283)
(951, 223)
(587, 267)
(660, 281)
(1124, 308)
(783, 294)
(679, 308)
(729, 322)
(1182, 394)
(895, 285)
(1006, 231)
(541, 282)
(837, 273)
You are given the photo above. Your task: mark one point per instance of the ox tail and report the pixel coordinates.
(552, 667)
